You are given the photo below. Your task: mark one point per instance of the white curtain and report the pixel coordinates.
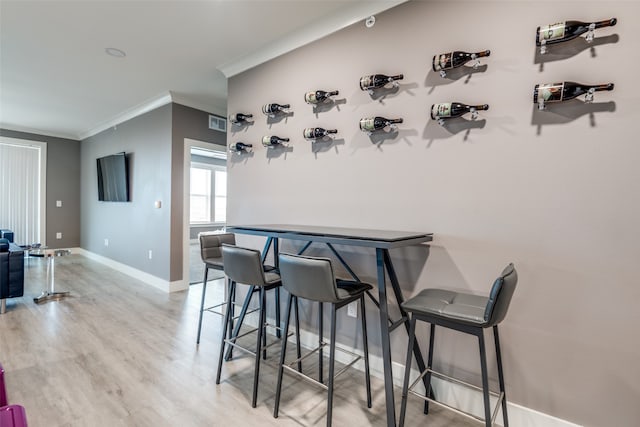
(20, 197)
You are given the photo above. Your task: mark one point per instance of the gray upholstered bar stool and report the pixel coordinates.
(467, 313)
(211, 255)
(313, 279)
(244, 266)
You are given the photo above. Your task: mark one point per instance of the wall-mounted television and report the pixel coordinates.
(113, 178)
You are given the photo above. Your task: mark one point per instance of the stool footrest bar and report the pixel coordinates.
(500, 395)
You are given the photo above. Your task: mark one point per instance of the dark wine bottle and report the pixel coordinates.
(563, 31)
(556, 92)
(377, 81)
(454, 109)
(273, 141)
(371, 124)
(239, 117)
(447, 61)
(314, 133)
(240, 147)
(270, 109)
(318, 96)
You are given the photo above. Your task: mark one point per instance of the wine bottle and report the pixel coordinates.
(563, 31)
(447, 61)
(239, 117)
(318, 96)
(270, 109)
(240, 147)
(454, 109)
(557, 92)
(273, 141)
(370, 124)
(314, 133)
(377, 81)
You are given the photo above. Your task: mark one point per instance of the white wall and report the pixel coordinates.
(555, 192)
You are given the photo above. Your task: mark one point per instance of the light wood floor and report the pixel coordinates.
(120, 353)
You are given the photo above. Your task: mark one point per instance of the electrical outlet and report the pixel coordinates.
(352, 309)
(106, 242)
(150, 254)
(58, 236)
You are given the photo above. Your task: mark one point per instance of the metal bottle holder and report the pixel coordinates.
(543, 48)
(590, 36)
(474, 116)
(475, 65)
(240, 151)
(393, 84)
(591, 33)
(588, 98)
(541, 104)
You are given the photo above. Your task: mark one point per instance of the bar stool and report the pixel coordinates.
(212, 258)
(470, 314)
(244, 266)
(313, 279)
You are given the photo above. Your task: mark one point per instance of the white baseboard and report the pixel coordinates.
(150, 279)
(463, 398)
(458, 396)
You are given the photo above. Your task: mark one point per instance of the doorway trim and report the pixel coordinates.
(186, 201)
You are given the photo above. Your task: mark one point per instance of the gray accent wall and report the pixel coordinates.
(154, 143)
(136, 227)
(63, 183)
(555, 192)
(189, 123)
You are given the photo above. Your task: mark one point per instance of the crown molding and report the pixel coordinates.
(310, 33)
(144, 107)
(35, 131)
(209, 108)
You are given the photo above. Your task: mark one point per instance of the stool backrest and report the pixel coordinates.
(210, 244)
(308, 277)
(500, 295)
(243, 265)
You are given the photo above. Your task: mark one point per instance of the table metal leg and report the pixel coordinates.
(386, 343)
(277, 290)
(395, 284)
(50, 293)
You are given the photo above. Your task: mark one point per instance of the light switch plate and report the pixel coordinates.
(58, 203)
(352, 309)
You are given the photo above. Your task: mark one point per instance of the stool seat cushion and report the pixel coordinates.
(215, 263)
(271, 277)
(350, 288)
(448, 304)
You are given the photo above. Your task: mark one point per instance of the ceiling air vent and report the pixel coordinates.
(217, 123)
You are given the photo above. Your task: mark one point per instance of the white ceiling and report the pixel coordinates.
(56, 79)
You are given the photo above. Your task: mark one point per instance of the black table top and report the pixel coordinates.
(339, 235)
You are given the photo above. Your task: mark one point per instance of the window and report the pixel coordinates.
(208, 195)
(22, 186)
(200, 195)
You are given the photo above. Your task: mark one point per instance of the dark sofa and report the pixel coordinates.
(11, 270)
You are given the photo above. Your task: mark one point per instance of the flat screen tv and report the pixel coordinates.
(113, 178)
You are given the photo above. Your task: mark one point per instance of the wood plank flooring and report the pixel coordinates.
(121, 353)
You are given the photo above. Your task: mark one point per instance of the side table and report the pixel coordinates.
(49, 293)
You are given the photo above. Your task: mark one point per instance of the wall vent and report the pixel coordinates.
(217, 123)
